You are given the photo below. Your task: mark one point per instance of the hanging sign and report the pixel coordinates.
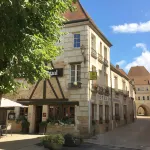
(93, 75)
(56, 72)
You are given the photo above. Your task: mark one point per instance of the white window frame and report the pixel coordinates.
(76, 67)
(76, 38)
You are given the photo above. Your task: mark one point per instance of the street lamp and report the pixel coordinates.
(83, 52)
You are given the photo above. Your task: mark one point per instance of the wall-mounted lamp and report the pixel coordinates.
(83, 52)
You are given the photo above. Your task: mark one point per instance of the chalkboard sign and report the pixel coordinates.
(11, 116)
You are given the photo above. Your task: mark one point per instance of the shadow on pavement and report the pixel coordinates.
(18, 144)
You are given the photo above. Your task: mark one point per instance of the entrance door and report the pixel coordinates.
(3, 115)
(38, 118)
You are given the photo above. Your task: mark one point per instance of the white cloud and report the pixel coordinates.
(121, 63)
(142, 60)
(142, 46)
(132, 27)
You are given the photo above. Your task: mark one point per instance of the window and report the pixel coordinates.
(147, 89)
(138, 89)
(105, 52)
(23, 112)
(106, 112)
(115, 82)
(100, 50)
(123, 85)
(100, 112)
(138, 98)
(147, 97)
(143, 97)
(93, 42)
(77, 40)
(116, 109)
(59, 112)
(106, 79)
(75, 73)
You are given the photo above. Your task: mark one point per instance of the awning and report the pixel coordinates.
(47, 102)
(6, 103)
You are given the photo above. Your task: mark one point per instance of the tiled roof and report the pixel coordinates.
(78, 14)
(138, 71)
(140, 75)
(123, 72)
(81, 15)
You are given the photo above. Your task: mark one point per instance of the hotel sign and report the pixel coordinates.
(93, 75)
(56, 72)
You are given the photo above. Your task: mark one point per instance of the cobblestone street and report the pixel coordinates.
(135, 136)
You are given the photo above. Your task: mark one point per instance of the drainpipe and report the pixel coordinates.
(89, 98)
(111, 101)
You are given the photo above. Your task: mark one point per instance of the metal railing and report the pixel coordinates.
(105, 62)
(100, 58)
(94, 53)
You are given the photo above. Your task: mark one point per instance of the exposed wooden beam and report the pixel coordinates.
(44, 89)
(58, 83)
(34, 89)
(50, 84)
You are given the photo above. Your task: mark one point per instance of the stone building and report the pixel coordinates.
(123, 95)
(80, 83)
(141, 78)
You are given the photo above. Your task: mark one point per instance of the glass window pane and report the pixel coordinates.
(73, 73)
(78, 44)
(72, 79)
(72, 67)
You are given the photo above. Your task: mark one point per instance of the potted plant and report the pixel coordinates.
(24, 124)
(42, 127)
(53, 142)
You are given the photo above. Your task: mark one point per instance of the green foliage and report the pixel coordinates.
(24, 123)
(29, 31)
(55, 138)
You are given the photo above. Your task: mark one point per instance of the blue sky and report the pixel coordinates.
(126, 24)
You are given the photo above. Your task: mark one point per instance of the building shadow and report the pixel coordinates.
(17, 144)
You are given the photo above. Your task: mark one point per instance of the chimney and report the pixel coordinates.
(117, 66)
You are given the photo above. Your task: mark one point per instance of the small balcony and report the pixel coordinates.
(105, 62)
(126, 93)
(100, 58)
(76, 85)
(94, 53)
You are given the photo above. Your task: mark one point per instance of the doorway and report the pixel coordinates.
(38, 118)
(3, 116)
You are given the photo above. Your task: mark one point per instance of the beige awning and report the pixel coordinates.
(4, 103)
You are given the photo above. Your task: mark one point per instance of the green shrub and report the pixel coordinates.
(54, 138)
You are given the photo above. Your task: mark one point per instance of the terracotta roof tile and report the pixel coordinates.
(138, 71)
(140, 75)
(78, 14)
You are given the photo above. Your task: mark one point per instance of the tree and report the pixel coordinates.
(29, 31)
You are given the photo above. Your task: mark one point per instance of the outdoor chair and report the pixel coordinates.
(7, 128)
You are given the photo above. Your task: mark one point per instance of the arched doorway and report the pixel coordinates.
(142, 111)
